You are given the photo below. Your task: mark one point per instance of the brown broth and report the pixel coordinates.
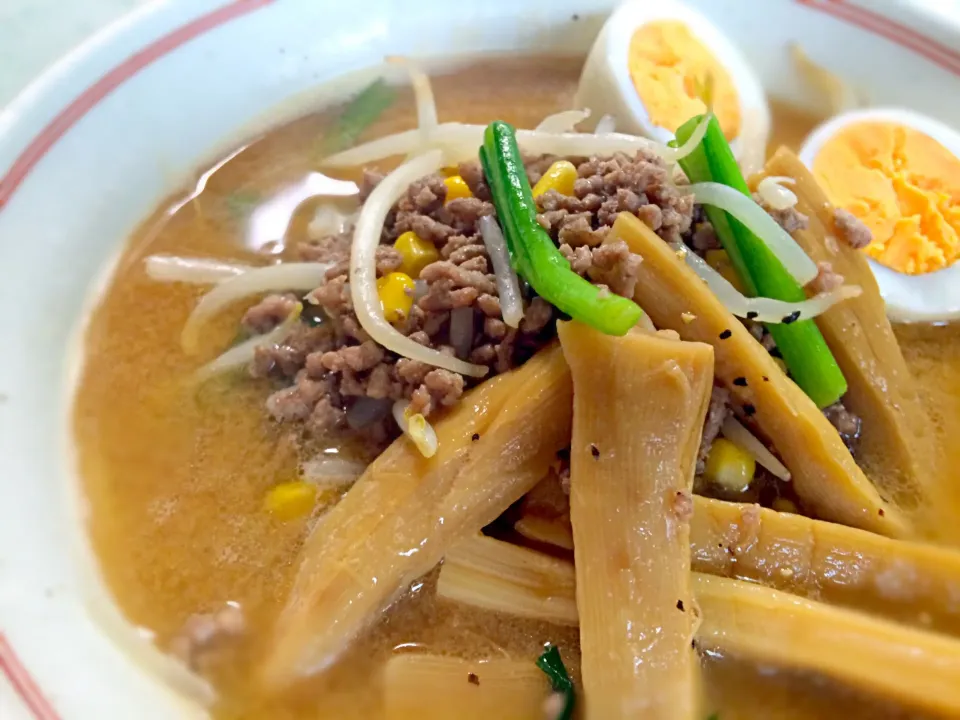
(176, 479)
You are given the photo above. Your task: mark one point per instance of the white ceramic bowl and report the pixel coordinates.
(94, 145)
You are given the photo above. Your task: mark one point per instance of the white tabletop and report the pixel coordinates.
(36, 33)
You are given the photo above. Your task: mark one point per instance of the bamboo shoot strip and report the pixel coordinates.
(433, 687)
(916, 668)
(554, 532)
(913, 583)
(881, 389)
(906, 581)
(407, 511)
(825, 475)
(639, 406)
(485, 572)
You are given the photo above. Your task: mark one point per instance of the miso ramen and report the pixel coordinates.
(377, 450)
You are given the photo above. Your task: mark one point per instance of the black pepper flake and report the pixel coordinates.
(749, 410)
(719, 545)
(740, 381)
(766, 379)
(881, 512)
(680, 605)
(595, 451)
(751, 315)
(473, 679)
(725, 334)
(776, 353)
(475, 437)
(575, 17)
(792, 317)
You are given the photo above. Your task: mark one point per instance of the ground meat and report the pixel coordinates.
(333, 296)
(288, 357)
(440, 388)
(355, 358)
(847, 423)
(472, 175)
(370, 180)
(441, 296)
(851, 229)
(717, 412)
(580, 259)
(826, 279)
(458, 277)
(789, 219)
(616, 267)
(489, 305)
(704, 238)
(205, 632)
(609, 186)
(268, 313)
(331, 249)
(536, 317)
(611, 265)
(388, 260)
(329, 368)
(325, 418)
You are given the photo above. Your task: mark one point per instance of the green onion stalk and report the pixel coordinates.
(804, 351)
(532, 252)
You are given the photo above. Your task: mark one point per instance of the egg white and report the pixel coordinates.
(930, 297)
(607, 88)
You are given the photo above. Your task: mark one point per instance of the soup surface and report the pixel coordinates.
(176, 478)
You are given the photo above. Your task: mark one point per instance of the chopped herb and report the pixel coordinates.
(740, 381)
(241, 203)
(312, 315)
(725, 334)
(359, 114)
(552, 664)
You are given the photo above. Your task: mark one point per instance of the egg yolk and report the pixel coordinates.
(904, 185)
(667, 64)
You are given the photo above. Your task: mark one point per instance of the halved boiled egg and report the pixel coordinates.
(647, 69)
(899, 172)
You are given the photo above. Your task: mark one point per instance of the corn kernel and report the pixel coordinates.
(396, 296)
(786, 505)
(415, 253)
(291, 500)
(560, 177)
(456, 188)
(729, 466)
(720, 261)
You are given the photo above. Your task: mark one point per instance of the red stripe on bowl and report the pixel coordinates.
(69, 116)
(23, 684)
(900, 34)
